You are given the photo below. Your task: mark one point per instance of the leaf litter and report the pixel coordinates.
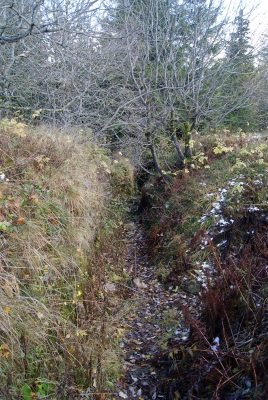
(155, 320)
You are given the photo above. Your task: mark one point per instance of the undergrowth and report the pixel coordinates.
(57, 326)
(207, 228)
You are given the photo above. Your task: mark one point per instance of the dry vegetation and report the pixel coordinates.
(64, 278)
(207, 230)
(55, 197)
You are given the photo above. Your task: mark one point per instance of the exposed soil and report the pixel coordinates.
(158, 319)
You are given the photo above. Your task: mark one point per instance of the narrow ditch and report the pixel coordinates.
(155, 320)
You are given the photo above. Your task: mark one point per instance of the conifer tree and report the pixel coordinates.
(241, 71)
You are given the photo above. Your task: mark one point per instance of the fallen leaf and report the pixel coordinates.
(123, 395)
(136, 341)
(110, 287)
(21, 221)
(115, 278)
(6, 310)
(139, 283)
(53, 221)
(81, 332)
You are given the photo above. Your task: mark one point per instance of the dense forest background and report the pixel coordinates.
(140, 73)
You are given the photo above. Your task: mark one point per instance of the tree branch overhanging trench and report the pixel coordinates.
(106, 126)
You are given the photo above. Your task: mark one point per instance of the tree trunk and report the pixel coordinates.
(178, 149)
(187, 139)
(155, 159)
(175, 140)
(188, 150)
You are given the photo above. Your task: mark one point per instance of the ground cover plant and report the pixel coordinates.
(207, 230)
(57, 338)
(65, 271)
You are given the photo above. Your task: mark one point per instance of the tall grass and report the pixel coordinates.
(53, 198)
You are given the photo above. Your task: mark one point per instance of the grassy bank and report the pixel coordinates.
(207, 231)
(56, 194)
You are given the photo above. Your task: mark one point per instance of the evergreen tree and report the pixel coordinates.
(241, 71)
(261, 95)
(177, 72)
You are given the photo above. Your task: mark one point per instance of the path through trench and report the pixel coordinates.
(155, 319)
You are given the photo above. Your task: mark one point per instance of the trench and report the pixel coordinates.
(154, 321)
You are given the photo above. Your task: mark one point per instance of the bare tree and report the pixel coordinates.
(20, 19)
(46, 46)
(143, 74)
(169, 48)
(180, 71)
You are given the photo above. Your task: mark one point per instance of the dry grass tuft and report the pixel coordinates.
(53, 198)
